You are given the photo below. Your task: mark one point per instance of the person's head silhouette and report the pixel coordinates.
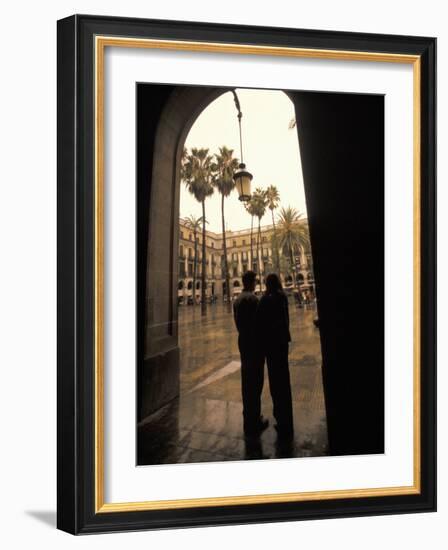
(249, 281)
(273, 284)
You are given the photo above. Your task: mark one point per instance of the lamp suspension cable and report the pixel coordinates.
(241, 176)
(240, 116)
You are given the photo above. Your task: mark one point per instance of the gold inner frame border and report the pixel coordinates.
(101, 42)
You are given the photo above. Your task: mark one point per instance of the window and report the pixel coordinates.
(181, 234)
(189, 237)
(244, 242)
(213, 244)
(263, 239)
(181, 251)
(234, 243)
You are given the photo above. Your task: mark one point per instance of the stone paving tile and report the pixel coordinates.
(205, 423)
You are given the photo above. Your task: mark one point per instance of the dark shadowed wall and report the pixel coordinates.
(341, 140)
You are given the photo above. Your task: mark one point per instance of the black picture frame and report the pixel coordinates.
(77, 494)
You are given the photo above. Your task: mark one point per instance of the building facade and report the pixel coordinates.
(241, 256)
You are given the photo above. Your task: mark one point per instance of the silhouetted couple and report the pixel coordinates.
(263, 334)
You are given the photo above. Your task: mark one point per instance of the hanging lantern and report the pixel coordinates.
(243, 180)
(241, 176)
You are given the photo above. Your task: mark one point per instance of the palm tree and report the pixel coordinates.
(225, 166)
(259, 200)
(251, 208)
(194, 224)
(292, 234)
(273, 199)
(197, 173)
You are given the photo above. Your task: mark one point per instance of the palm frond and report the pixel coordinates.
(224, 167)
(272, 197)
(197, 173)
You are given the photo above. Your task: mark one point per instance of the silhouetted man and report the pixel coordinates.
(252, 360)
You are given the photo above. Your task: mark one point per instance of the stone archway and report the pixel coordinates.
(158, 349)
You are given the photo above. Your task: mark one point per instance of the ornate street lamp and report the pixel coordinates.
(242, 177)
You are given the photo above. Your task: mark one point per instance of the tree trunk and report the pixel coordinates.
(277, 255)
(257, 263)
(251, 246)
(195, 265)
(260, 259)
(203, 278)
(224, 246)
(294, 278)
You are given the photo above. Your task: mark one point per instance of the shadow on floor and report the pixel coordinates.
(48, 517)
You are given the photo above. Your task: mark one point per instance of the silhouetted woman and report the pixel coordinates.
(273, 323)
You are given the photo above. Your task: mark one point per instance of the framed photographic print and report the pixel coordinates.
(246, 274)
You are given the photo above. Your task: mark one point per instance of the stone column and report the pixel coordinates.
(159, 191)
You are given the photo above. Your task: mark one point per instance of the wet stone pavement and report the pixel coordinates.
(205, 423)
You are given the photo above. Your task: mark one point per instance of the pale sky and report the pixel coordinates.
(270, 149)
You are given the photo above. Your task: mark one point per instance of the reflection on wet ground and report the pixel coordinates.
(205, 423)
